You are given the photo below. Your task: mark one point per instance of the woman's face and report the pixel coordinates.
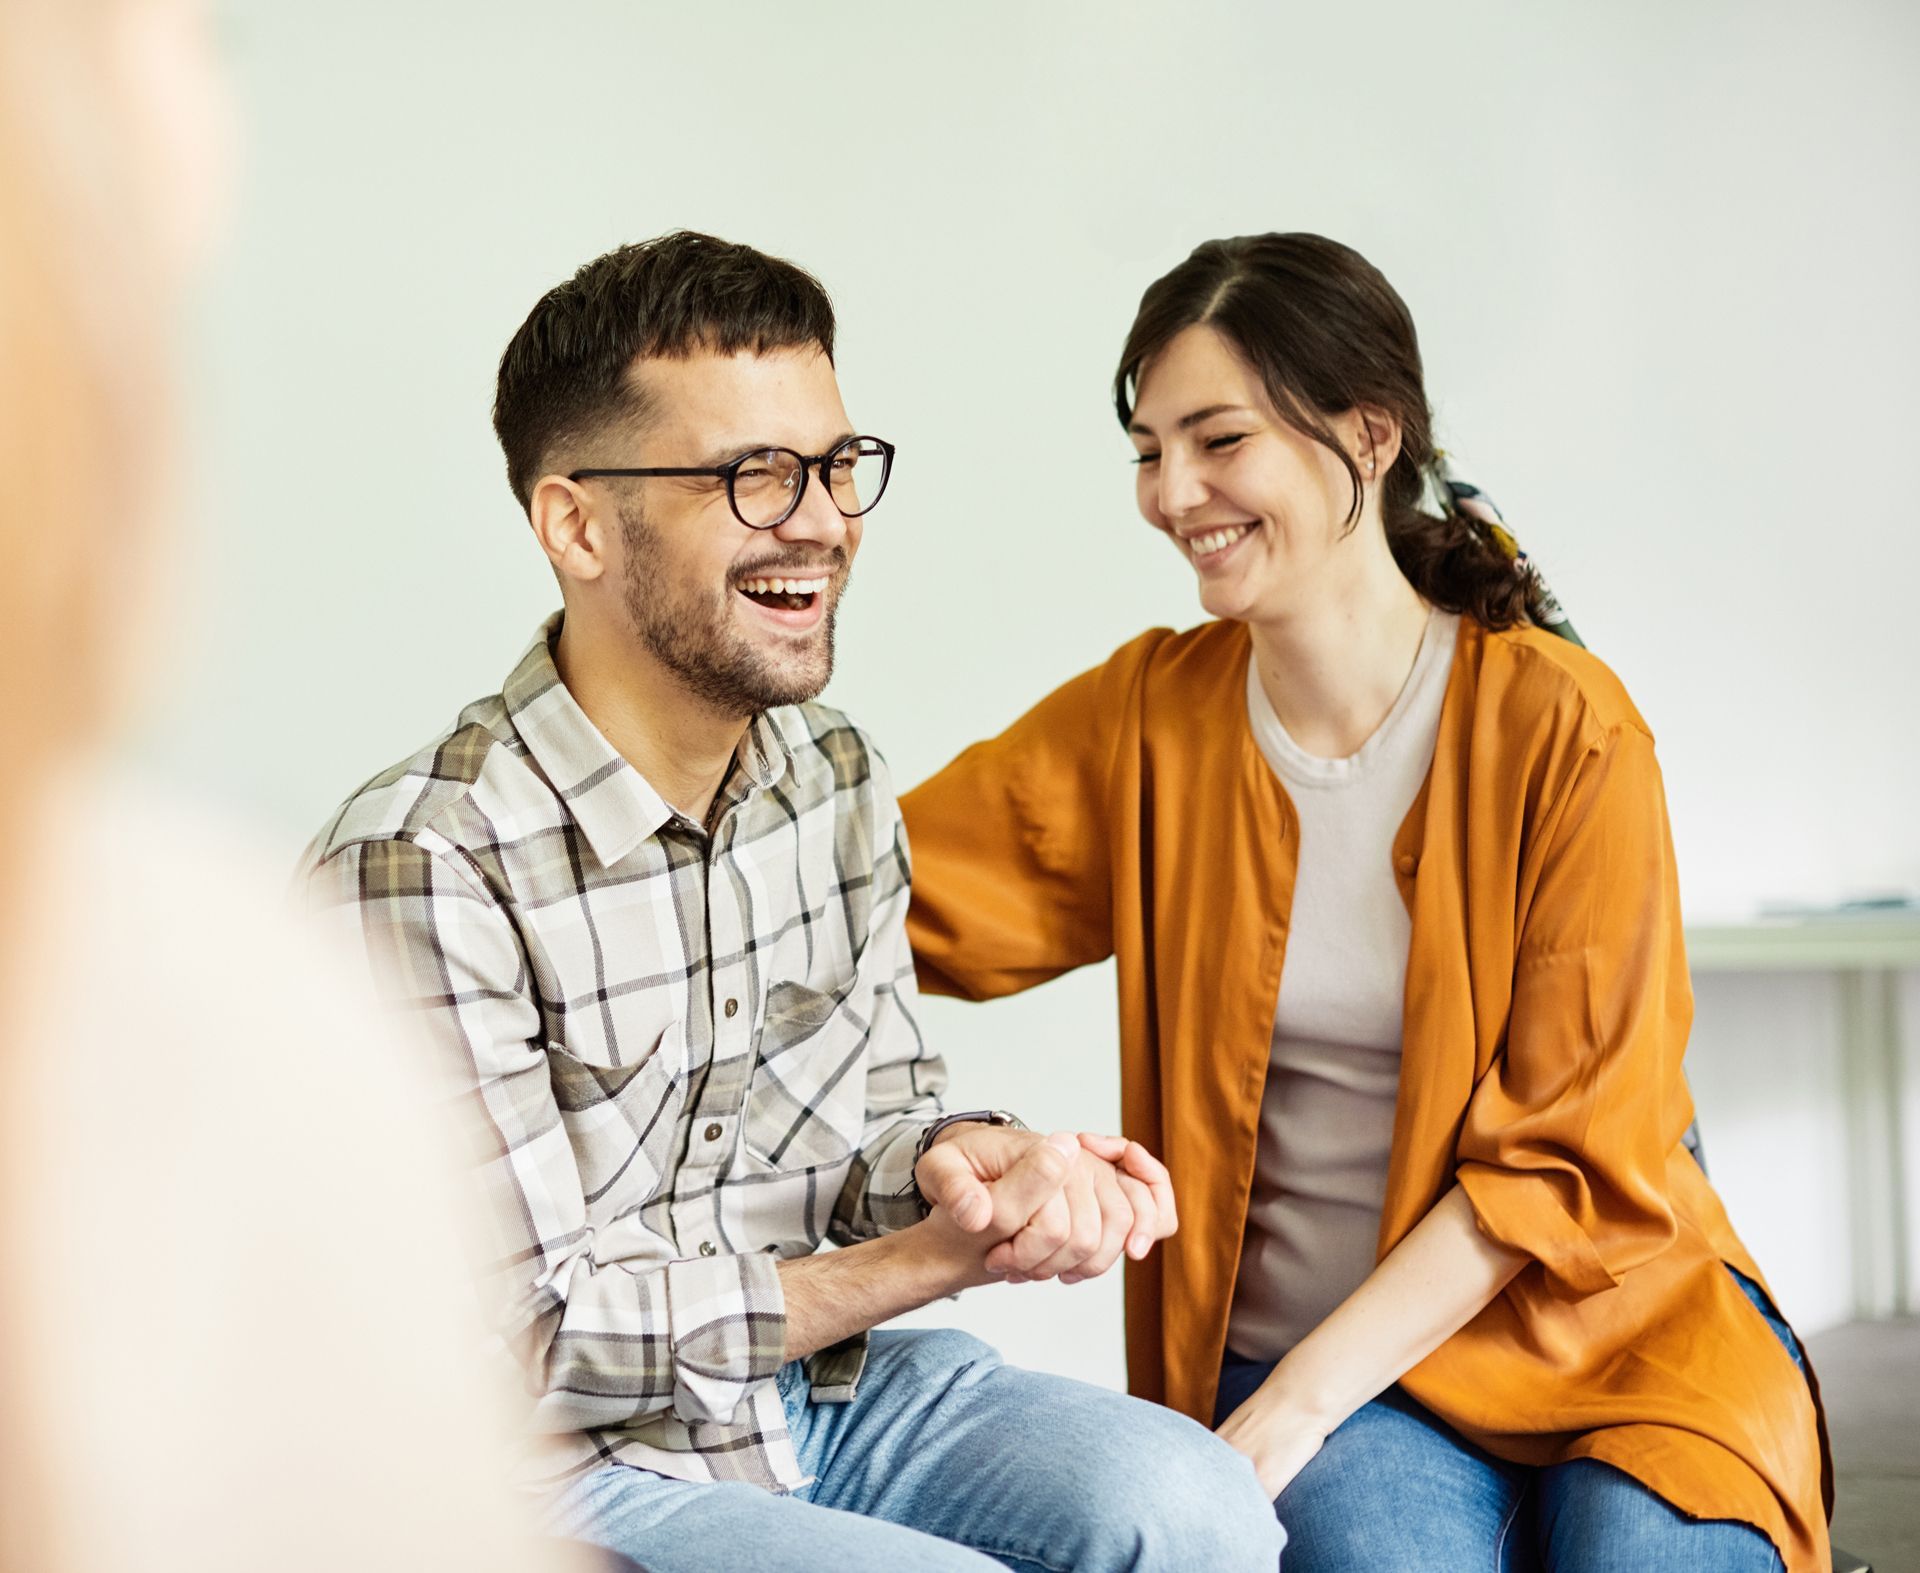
(1257, 508)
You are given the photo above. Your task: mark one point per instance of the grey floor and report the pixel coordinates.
(1870, 1378)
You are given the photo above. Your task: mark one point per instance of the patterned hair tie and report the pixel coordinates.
(1466, 501)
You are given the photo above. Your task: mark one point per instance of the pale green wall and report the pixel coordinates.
(1662, 257)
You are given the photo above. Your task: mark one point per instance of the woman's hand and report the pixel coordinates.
(1147, 1185)
(1280, 1438)
(1429, 1286)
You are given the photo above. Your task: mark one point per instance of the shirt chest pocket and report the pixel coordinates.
(806, 1105)
(620, 1120)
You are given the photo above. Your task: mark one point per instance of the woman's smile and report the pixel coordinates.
(1211, 547)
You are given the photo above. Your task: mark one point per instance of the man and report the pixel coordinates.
(650, 901)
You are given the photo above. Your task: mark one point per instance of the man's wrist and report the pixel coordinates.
(918, 1264)
(832, 1295)
(939, 1130)
(940, 1260)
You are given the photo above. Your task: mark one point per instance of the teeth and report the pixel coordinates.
(783, 586)
(1218, 540)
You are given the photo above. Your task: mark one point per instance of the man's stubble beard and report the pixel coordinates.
(690, 633)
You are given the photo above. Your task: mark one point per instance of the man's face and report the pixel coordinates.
(694, 578)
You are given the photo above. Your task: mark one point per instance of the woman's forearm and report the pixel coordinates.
(1429, 1286)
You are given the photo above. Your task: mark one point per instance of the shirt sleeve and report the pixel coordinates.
(1565, 1144)
(604, 1341)
(904, 1077)
(1013, 881)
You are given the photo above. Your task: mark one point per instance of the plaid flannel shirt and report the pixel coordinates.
(680, 1055)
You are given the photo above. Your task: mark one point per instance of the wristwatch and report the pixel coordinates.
(932, 1133)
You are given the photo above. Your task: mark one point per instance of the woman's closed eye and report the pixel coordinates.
(1218, 444)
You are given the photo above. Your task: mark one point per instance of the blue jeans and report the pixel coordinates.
(950, 1460)
(1395, 1490)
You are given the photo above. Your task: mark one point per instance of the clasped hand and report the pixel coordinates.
(1039, 1207)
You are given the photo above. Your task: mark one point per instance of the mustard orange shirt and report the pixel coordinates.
(1131, 814)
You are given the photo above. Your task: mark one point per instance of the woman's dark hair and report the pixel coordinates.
(1325, 332)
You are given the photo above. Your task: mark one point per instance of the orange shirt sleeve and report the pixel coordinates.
(1012, 874)
(1565, 1143)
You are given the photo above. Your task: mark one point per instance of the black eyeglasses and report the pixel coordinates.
(765, 486)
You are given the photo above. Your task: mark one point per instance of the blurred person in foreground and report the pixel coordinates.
(210, 1181)
(649, 903)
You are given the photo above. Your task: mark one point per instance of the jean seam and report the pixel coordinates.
(1506, 1525)
(1003, 1551)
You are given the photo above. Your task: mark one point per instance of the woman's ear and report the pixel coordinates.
(1376, 439)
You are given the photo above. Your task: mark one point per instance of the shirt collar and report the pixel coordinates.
(615, 806)
(763, 752)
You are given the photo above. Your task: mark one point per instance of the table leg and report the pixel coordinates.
(1871, 1050)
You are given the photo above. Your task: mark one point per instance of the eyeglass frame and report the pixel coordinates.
(730, 472)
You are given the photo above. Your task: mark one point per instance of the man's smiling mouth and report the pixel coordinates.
(786, 594)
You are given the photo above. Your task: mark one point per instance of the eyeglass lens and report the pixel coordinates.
(766, 486)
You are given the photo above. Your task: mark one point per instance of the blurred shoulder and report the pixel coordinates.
(207, 1060)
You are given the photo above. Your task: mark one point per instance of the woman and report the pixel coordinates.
(1387, 873)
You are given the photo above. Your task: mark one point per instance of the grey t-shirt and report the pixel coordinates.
(1326, 1121)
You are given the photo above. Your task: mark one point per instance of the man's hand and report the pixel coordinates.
(1115, 1196)
(833, 1294)
(1006, 1204)
(985, 1193)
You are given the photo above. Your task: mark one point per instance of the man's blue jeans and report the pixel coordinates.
(950, 1460)
(1395, 1490)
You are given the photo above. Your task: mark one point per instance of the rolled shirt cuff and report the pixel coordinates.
(727, 1320)
(892, 1197)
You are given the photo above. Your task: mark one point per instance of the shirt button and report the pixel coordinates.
(1406, 863)
(732, 1008)
(708, 1248)
(712, 1132)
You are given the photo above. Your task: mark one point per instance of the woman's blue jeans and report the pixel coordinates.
(1396, 1491)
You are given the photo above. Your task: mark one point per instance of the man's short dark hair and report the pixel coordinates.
(564, 374)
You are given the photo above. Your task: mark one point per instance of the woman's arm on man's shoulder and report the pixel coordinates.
(1011, 842)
